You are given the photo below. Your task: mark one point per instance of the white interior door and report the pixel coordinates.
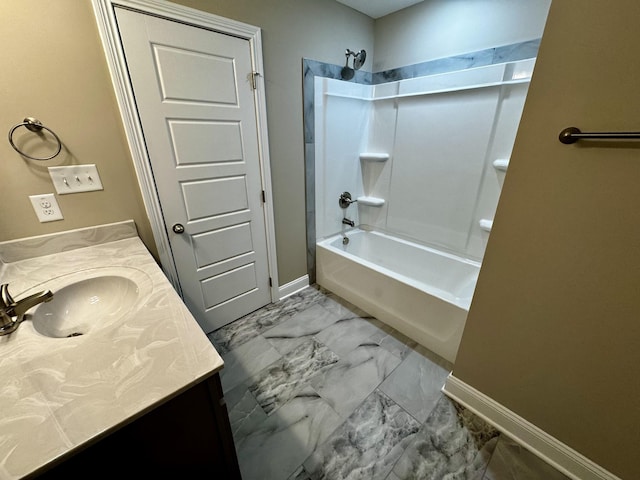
(195, 99)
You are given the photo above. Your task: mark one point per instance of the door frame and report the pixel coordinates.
(114, 53)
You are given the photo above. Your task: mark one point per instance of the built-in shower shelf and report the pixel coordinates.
(371, 201)
(486, 224)
(374, 157)
(501, 164)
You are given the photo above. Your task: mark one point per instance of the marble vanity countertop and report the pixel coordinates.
(58, 394)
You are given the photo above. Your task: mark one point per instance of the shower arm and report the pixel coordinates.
(358, 58)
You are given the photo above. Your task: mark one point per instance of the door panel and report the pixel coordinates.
(214, 196)
(172, 63)
(221, 140)
(198, 114)
(227, 285)
(225, 243)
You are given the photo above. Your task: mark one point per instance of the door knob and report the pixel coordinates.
(178, 228)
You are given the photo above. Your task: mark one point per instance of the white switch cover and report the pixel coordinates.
(46, 207)
(75, 178)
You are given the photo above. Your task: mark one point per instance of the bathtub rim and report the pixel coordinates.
(438, 249)
(430, 321)
(464, 303)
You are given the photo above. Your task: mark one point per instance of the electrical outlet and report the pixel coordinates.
(75, 179)
(46, 207)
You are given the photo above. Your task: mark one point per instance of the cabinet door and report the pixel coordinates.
(188, 435)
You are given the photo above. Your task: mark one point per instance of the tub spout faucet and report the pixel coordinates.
(346, 221)
(12, 312)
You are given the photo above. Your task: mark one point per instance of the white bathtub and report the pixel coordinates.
(419, 291)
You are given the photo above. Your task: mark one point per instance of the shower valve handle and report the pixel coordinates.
(345, 200)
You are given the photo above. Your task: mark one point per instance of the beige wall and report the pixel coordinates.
(443, 28)
(53, 68)
(292, 29)
(553, 332)
(60, 76)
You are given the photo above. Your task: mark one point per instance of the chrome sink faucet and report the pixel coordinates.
(12, 312)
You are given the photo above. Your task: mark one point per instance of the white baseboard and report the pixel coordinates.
(537, 441)
(296, 285)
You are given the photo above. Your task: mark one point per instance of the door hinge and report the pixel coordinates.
(264, 197)
(270, 282)
(254, 80)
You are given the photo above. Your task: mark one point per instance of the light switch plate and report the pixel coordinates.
(46, 207)
(75, 179)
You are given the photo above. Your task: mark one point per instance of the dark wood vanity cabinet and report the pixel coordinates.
(188, 436)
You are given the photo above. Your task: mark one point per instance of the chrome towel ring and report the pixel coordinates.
(34, 125)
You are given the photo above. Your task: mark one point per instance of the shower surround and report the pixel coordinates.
(425, 157)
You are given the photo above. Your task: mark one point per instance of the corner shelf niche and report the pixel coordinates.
(501, 164)
(374, 157)
(486, 225)
(371, 157)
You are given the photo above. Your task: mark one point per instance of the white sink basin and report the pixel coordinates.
(89, 301)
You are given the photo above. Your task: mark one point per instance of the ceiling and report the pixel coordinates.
(378, 8)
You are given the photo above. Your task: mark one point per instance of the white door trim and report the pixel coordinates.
(108, 30)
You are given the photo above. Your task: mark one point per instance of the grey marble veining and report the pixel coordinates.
(245, 414)
(348, 382)
(367, 445)
(452, 443)
(510, 461)
(241, 331)
(481, 58)
(415, 385)
(39, 246)
(345, 335)
(340, 307)
(350, 402)
(300, 474)
(433, 67)
(393, 341)
(516, 51)
(285, 378)
(308, 109)
(276, 448)
(300, 328)
(310, 206)
(247, 360)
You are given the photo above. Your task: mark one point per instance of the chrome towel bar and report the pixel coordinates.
(573, 134)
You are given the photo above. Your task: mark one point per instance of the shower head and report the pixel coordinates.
(359, 59)
(347, 73)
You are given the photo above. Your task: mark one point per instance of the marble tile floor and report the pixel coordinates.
(317, 389)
